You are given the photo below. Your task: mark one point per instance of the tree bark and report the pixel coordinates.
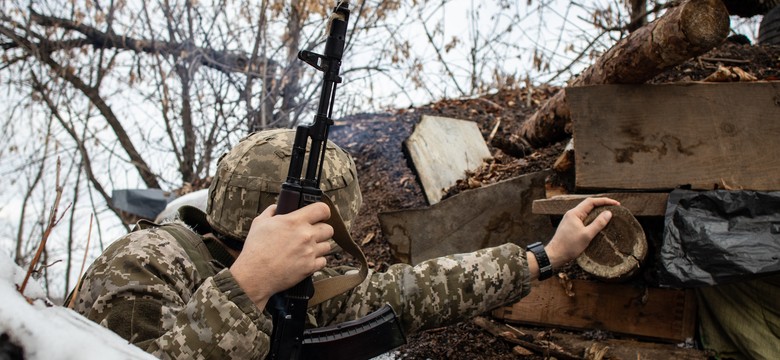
(688, 30)
(638, 14)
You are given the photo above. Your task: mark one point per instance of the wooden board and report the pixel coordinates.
(705, 135)
(478, 218)
(640, 204)
(442, 150)
(665, 314)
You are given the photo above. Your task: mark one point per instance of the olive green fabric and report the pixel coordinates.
(741, 320)
(147, 288)
(249, 178)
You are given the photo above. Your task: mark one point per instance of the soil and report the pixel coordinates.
(388, 180)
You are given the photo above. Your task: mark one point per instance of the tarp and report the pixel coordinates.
(145, 203)
(719, 236)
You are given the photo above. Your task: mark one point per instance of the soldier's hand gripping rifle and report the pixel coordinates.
(372, 335)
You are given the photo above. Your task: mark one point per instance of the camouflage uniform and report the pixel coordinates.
(171, 292)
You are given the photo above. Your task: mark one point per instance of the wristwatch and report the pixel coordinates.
(545, 268)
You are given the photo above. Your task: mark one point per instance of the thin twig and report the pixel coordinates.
(724, 60)
(495, 129)
(53, 220)
(83, 262)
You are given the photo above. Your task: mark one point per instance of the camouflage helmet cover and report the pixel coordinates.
(250, 175)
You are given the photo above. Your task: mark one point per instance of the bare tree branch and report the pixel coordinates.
(222, 60)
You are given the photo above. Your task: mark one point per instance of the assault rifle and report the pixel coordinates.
(364, 338)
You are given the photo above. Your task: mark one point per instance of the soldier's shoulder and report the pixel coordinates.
(157, 241)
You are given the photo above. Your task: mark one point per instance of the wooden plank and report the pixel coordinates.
(659, 314)
(478, 218)
(442, 150)
(640, 204)
(705, 135)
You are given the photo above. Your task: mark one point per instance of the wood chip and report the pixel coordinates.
(368, 238)
(519, 350)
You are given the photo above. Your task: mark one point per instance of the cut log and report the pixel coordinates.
(618, 250)
(683, 32)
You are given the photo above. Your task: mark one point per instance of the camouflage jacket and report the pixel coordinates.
(159, 296)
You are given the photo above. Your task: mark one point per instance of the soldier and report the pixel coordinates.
(199, 291)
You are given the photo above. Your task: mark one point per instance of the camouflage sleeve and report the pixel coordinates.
(436, 292)
(145, 288)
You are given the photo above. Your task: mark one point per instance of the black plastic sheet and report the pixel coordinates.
(720, 236)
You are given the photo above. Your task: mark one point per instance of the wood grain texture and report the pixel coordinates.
(659, 314)
(618, 251)
(442, 150)
(690, 29)
(478, 218)
(659, 137)
(640, 204)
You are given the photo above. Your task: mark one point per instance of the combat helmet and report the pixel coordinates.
(250, 175)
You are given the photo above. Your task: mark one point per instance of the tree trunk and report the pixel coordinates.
(292, 74)
(638, 14)
(683, 32)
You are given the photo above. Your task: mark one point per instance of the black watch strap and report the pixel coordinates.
(545, 268)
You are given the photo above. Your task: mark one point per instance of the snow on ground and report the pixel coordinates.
(45, 331)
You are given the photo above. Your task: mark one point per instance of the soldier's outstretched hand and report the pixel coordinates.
(281, 250)
(572, 236)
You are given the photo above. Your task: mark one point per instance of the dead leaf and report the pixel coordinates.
(368, 238)
(596, 352)
(729, 74)
(725, 186)
(519, 350)
(549, 345)
(566, 283)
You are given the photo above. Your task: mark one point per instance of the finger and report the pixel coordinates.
(319, 263)
(602, 201)
(598, 224)
(316, 212)
(322, 249)
(269, 211)
(323, 232)
(586, 206)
